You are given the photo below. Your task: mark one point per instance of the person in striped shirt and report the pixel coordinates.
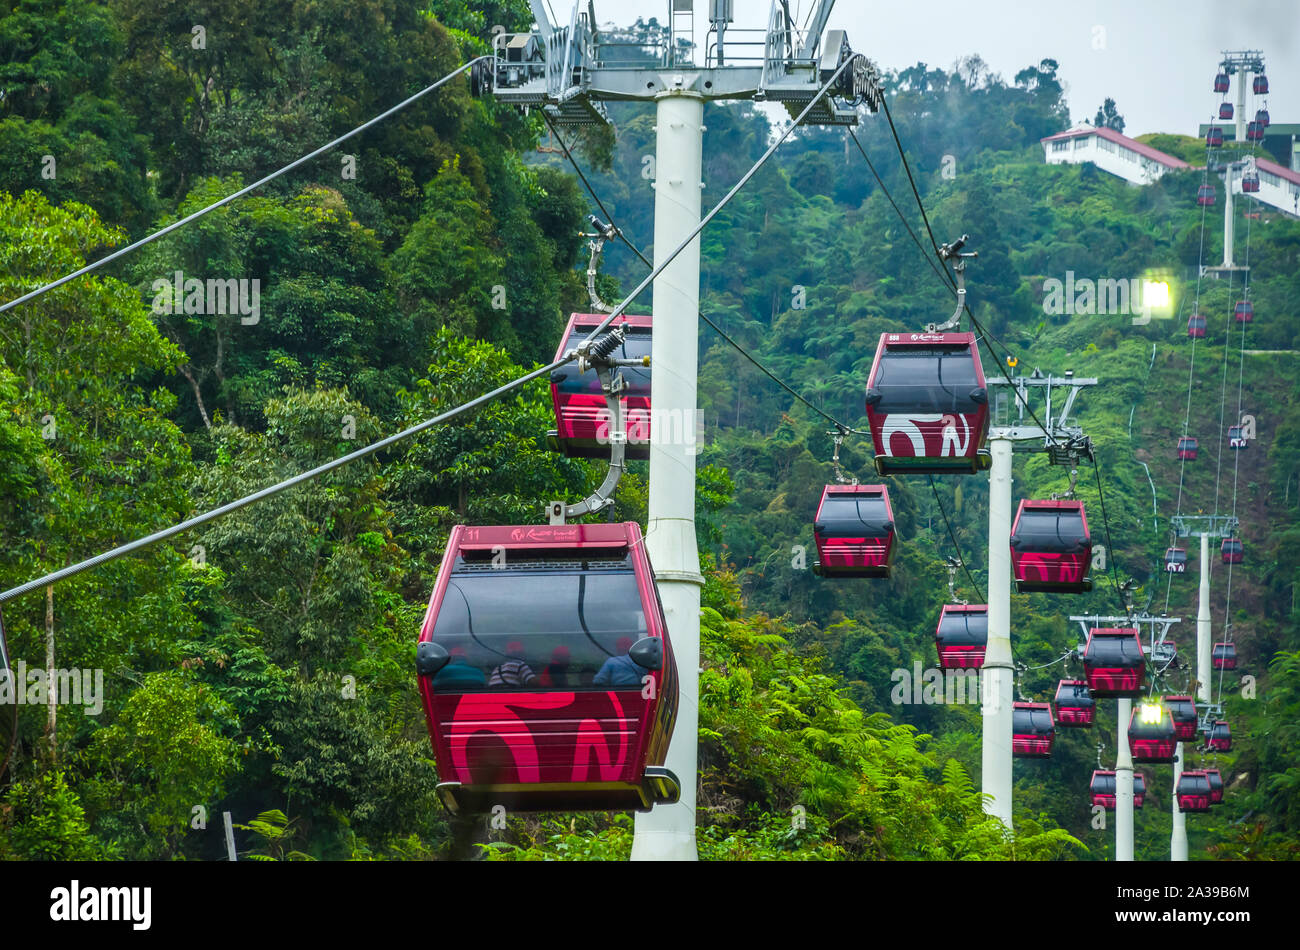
(514, 671)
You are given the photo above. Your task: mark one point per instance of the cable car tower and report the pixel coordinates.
(1156, 647)
(1230, 164)
(1015, 428)
(571, 70)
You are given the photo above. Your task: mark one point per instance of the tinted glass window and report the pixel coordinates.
(540, 629)
(853, 515)
(1074, 695)
(960, 629)
(636, 346)
(1114, 651)
(1103, 784)
(1050, 530)
(1038, 721)
(926, 379)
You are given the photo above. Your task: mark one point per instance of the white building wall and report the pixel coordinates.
(1107, 155)
(1275, 191)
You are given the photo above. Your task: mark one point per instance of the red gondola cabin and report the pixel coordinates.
(854, 531)
(1139, 789)
(1261, 116)
(1032, 730)
(1224, 655)
(1254, 131)
(1187, 447)
(1183, 710)
(962, 636)
(581, 416)
(1102, 788)
(1214, 137)
(1219, 738)
(1216, 786)
(1221, 82)
(927, 404)
(1151, 733)
(1205, 196)
(1225, 110)
(1244, 312)
(1250, 183)
(1196, 326)
(1232, 550)
(1175, 560)
(1260, 85)
(1193, 791)
(1075, 707)
(1113, 662)
(546, 671)
(1051, 549)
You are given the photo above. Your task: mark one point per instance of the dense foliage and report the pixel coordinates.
(262, 664)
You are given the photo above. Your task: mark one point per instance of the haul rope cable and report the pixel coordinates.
(121, 252)
(164, 534)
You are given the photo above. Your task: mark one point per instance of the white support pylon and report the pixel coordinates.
(1178, 839)
(668, 832)
(1123, 784)
(996, 676)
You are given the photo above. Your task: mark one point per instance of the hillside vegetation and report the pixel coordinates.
(263, 664)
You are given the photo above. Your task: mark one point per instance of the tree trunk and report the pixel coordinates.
(198, 396)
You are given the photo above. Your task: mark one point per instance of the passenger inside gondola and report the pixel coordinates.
(555, 625)
(620, 670)
(458, 673)
(514, 671)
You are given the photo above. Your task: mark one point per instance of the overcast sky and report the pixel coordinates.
(1157, 57)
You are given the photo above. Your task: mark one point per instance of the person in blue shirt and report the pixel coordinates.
(458, 673)
(620, 670)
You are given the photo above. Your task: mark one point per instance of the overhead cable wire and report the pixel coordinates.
(169, 532)
(277, 488)
(162, 232)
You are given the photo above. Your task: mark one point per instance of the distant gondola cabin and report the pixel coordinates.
(1113, 662)
(1151, 733)
(962, 636)
(1032, 730)
(1075, 707)
(1175, 560)
(854, 531)
(1051, 549)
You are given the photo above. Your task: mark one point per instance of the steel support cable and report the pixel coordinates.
(1236, 458)
(703, 316)
(197, 520)
(161, 232)
(984, 335)
(942, 275)
(952, 537)
(1191, 370)
(884, 104)
(592, 191)
(713, 212)
(1105, 519)
(744, 179)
